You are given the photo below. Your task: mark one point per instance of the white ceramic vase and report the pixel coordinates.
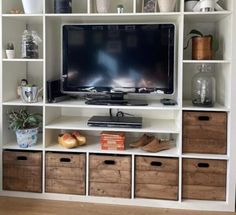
(33, 6)
(166, 5)
(10, 54)
(103, 6)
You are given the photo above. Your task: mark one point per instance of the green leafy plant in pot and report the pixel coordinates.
(26, 126)
(203, 46)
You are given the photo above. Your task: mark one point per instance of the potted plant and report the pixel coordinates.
(202, 45)
(33, 6)
(10, 51)
(26, 126)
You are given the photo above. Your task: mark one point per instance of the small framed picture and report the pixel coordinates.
(149, 6)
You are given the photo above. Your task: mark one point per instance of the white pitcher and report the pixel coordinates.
(33, 6)
(166, 5)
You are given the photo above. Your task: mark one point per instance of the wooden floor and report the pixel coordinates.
(20, 206)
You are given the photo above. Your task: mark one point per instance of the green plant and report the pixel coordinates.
(10, 46)
(23, 119)
(195, 33)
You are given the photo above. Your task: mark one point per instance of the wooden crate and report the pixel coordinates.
(22, 171)
(110, 176)
(204, 179)
(65, 173)
(156, 178)
(205, 132)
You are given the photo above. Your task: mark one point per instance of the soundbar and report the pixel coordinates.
(114, 121)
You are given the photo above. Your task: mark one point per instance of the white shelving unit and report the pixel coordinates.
(158, 119)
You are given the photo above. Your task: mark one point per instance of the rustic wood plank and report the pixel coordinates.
(22, 158)
(110, 189)
(65, 186)
(65, 173)
(113, 176)
(210, 146)
(146, 163)
(215, 118)
(156, 191)
(204, 192)
(205, 179)
(69, 160)
(119, 162)
(156, 177)
(215, 166)
(205, 132)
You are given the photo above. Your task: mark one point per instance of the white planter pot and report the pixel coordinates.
(27, 137)
(10, 54)
(166, 5)
(103, 6)
(189, 5)
(33, 6)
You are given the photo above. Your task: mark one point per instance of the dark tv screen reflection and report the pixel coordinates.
(136, 58)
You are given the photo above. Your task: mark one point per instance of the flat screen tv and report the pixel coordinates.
(110, 58)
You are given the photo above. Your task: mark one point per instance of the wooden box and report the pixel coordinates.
(65, 173)
(204, 179)
(22, 171)
(205, 132)
(110, 175)
(156, 177)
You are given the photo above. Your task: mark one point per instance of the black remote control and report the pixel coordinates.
(168, 102)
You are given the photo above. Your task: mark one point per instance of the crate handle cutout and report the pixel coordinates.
(109, 162)
(65, 160)
(22, 158)
(156, 163)
(204, 118)
(203, 165)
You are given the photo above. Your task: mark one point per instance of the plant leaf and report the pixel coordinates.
(194, 31)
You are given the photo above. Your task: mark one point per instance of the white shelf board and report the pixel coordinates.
(93, 146)
(80, 123)
(152, 105)
(187, 105)
(115, 17)
(27, 18)
(205, 156)
(22, 60)
(19, 102)
(214, 16)
(14, 146)
(206, 61)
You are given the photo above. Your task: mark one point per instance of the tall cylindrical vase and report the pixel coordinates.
(166, 5)
(33, 6)
(103, 6)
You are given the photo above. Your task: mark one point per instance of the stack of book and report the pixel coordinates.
(112, 140)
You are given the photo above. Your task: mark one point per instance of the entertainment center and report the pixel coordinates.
(197, 172)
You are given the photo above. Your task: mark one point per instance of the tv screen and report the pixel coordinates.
(134, 58)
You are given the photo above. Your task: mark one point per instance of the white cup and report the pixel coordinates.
(207, 5)
(166, 5)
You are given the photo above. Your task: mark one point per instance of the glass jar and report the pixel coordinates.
(29, 44)
(203, 87)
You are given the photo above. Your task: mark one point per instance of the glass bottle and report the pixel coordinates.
(203, 87)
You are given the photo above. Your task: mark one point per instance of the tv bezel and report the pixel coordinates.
(158, 92)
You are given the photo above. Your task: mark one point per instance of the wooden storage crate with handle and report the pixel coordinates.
(65, 173)
(110, 175)
(156, 177)
(22, 171)
(205, 132)
(204, 179)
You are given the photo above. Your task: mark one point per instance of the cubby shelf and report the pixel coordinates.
(158, 120)
(80, 123)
